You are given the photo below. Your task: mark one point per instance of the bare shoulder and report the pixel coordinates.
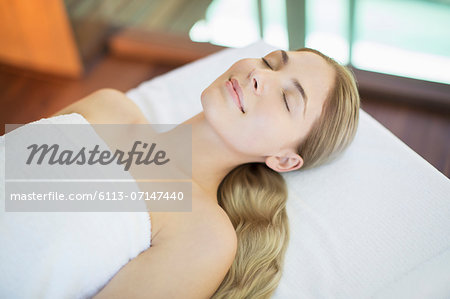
(189, 262)
(106, 106)
(212, 227)
(206, 217)
(209, 231)
(207, 225)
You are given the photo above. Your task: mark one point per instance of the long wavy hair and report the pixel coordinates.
(254, 196)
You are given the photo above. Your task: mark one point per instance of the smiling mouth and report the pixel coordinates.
(235, 91)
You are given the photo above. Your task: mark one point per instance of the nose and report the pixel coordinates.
(259, 80)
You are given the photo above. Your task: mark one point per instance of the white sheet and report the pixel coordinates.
(374, 223)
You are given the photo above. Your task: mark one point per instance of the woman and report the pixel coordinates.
(293, 110)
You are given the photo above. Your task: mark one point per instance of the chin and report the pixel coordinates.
(207, 99)
(211, 99)
(202, 96)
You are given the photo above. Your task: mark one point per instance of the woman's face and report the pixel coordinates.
(280, 101)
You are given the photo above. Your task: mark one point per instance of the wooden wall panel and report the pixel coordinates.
(37, 35)
(158, 47)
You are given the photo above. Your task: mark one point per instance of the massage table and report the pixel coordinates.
(373, 223)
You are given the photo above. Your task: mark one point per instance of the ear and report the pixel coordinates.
(285, 162)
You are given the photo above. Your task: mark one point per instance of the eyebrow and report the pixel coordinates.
(285, 60)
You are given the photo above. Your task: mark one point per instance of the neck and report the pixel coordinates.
(212, 159)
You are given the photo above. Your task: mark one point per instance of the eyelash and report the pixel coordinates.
(283, 94)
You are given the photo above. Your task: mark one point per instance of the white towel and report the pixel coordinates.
(65, 254)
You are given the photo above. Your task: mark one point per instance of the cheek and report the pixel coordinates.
(268, 118)
(261, 133)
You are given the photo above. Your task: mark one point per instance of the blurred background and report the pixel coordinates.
(54, 52)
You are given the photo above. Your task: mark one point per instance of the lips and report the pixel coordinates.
(236, 93)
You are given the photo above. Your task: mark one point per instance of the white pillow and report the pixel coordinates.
(373, 223)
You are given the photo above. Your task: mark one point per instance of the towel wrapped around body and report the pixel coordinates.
(65, 254)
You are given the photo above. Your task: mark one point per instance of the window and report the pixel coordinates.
(409, 38)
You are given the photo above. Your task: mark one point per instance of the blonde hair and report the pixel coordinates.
(254, 196)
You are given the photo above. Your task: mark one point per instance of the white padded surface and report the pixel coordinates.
(373, 223)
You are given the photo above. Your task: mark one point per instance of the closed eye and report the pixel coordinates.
(266, 63)
(285, 102)
(284, 95)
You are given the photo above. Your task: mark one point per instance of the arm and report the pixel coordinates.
(190, 264)
(106, 106)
